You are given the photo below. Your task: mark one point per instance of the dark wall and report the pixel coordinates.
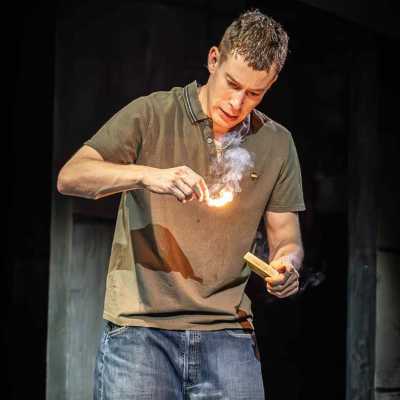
(28, 58)
(316, 111)
(387, 374)
(379, 16)
(311, 99)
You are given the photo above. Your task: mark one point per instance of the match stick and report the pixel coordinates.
(258, 266)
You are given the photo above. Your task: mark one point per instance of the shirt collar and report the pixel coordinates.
(195, 111)
(192, 103)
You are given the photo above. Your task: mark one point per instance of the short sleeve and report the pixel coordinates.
(120, 138)
(287, 194)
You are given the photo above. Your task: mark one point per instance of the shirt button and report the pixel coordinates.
(209, 140)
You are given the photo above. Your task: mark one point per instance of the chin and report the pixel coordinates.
(225, 125)
(222, 123)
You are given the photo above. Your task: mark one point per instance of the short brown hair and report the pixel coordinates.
(259, 39)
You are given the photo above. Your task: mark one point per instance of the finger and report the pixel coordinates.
(287, 294)
(178, 194)
(280, 279)
(185, 188)
(201, 188)
(292, 270)
(195, 187)
(284, 290)
(285, 267)
(292, 286)
(281, 268)
(205, 190)
(292, 278)
(279, 288)
(286, 284)
(198, 191)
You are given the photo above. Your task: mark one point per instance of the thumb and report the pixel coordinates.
(281, 268)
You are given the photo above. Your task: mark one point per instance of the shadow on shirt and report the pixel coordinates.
(155, 248)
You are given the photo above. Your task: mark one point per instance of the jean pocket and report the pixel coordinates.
(114, 329)
(240, 333)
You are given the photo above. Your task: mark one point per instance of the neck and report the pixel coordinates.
(203, 98)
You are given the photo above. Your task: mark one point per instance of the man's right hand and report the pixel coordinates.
(181, 182)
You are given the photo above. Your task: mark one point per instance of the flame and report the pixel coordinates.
(222, 198)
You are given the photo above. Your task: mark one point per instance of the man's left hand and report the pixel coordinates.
(287, 282)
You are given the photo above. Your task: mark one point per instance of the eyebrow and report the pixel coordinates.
(235, 81)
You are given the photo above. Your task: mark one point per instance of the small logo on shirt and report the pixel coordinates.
(254, 176)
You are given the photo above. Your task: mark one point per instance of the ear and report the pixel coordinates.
(213, 59)
(273, 81)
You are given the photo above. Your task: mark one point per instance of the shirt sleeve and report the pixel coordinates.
(287, 194)
(120, 138)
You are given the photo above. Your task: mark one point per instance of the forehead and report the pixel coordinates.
(236, 67)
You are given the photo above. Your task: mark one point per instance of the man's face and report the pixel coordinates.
(234, 89)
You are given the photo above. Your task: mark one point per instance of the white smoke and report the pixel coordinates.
(229, 166)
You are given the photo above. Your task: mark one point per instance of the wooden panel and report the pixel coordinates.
(78, 274)
(61, 232)
(91, 247)
(363, 169)
(387, 376)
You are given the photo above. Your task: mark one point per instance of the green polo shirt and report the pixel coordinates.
(180, 266)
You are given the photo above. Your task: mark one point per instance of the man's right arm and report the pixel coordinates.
(89, 176)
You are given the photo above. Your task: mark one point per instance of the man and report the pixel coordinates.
(178, 324)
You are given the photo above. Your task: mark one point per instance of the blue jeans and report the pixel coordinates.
(147, 363)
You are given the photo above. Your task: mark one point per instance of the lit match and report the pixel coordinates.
(222, 198)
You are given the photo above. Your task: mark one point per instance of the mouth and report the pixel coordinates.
(228, 116)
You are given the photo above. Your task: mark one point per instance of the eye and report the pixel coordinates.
(254, 94)
(233, 85)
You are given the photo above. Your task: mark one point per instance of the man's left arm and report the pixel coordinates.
(285, 252)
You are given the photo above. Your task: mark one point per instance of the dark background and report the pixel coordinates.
(302, 340)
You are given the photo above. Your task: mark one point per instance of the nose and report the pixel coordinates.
(236, 101)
